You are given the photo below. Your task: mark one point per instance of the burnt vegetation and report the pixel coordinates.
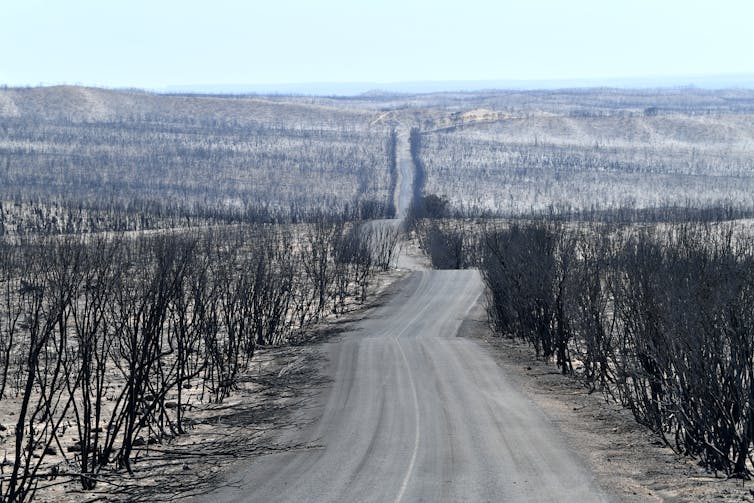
(593, 151)
(658, 318)
(150, 244)
(78, 160)
(612, 238)
(106, 342)
(600, 221)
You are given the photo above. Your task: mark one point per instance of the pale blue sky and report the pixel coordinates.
(154, 43)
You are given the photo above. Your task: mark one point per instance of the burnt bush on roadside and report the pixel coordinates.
(449, 243)
(526, 268)
(660, 318)
(109, 338)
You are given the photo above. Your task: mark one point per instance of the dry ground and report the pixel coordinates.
(631, 463)
(270, 396)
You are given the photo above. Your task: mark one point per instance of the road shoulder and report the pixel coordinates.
(629, 462)
(276, 397)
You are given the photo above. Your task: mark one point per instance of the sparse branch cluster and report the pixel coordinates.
(449, 243)
(661, 319)
(658, 317)
(105, 342)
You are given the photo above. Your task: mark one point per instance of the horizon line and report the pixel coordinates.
(711, 81)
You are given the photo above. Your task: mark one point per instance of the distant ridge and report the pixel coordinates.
(744, 81)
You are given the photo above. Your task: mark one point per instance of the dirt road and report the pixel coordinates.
(404, 192)
(415, 413)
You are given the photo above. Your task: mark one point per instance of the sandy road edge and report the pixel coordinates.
(250, 423)
(628, 461)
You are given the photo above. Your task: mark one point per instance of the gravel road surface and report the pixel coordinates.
(416, 413)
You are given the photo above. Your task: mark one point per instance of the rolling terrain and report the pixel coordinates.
(412, 409)
(499, 152)
(99, 149)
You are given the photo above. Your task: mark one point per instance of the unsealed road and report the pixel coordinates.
(416, 413)
(404, 192)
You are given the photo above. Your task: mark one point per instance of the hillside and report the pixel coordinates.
(514, 152)
(102, 146)
(504, 152)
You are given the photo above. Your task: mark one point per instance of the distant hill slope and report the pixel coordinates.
(503, 151)
(601, 149)
(76, 143)
(94, 104)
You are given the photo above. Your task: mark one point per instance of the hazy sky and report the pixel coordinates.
(156, 43)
